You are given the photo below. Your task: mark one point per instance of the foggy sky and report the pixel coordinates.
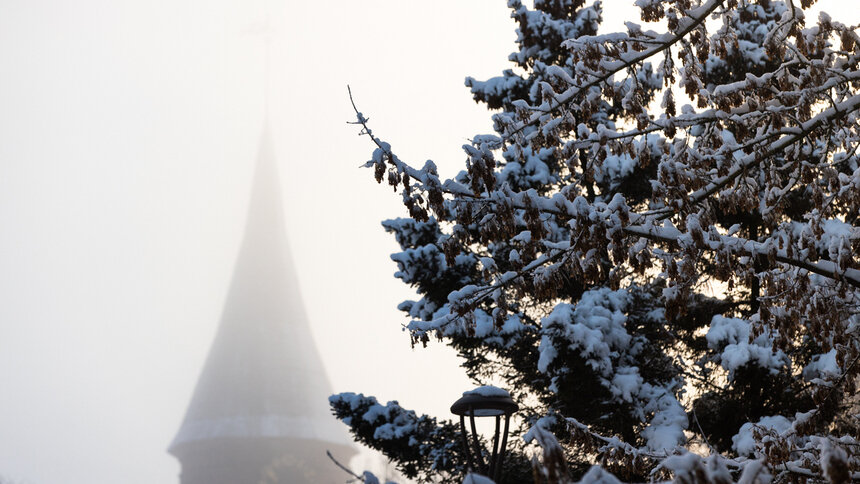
(127, 142)
(128, 134)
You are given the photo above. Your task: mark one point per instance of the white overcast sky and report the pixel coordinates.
(128, 134)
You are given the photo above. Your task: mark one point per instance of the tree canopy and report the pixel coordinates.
(656, 252)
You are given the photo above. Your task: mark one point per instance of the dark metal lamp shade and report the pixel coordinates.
(483, 406)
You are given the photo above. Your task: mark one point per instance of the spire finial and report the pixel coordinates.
(264, 29)
(267, 42)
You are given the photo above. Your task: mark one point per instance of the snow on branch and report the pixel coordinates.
(653, 279)
(625, 60)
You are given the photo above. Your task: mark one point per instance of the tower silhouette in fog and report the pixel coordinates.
(259, 413)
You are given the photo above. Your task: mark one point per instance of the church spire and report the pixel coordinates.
(263, 381)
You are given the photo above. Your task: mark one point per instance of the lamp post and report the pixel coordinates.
(486, 401)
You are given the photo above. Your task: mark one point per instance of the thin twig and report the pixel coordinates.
(345, 469)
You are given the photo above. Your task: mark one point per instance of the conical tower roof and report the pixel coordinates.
(263, 377)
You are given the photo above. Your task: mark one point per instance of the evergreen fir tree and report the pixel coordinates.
(646, 282)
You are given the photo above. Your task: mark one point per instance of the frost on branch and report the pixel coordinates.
(657, 252)
(422, 447)
(413, 441)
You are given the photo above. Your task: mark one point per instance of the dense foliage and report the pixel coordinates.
(669, 292)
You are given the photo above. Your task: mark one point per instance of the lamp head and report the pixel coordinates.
(484, 401)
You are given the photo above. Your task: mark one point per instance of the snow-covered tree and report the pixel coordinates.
(668, 292)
